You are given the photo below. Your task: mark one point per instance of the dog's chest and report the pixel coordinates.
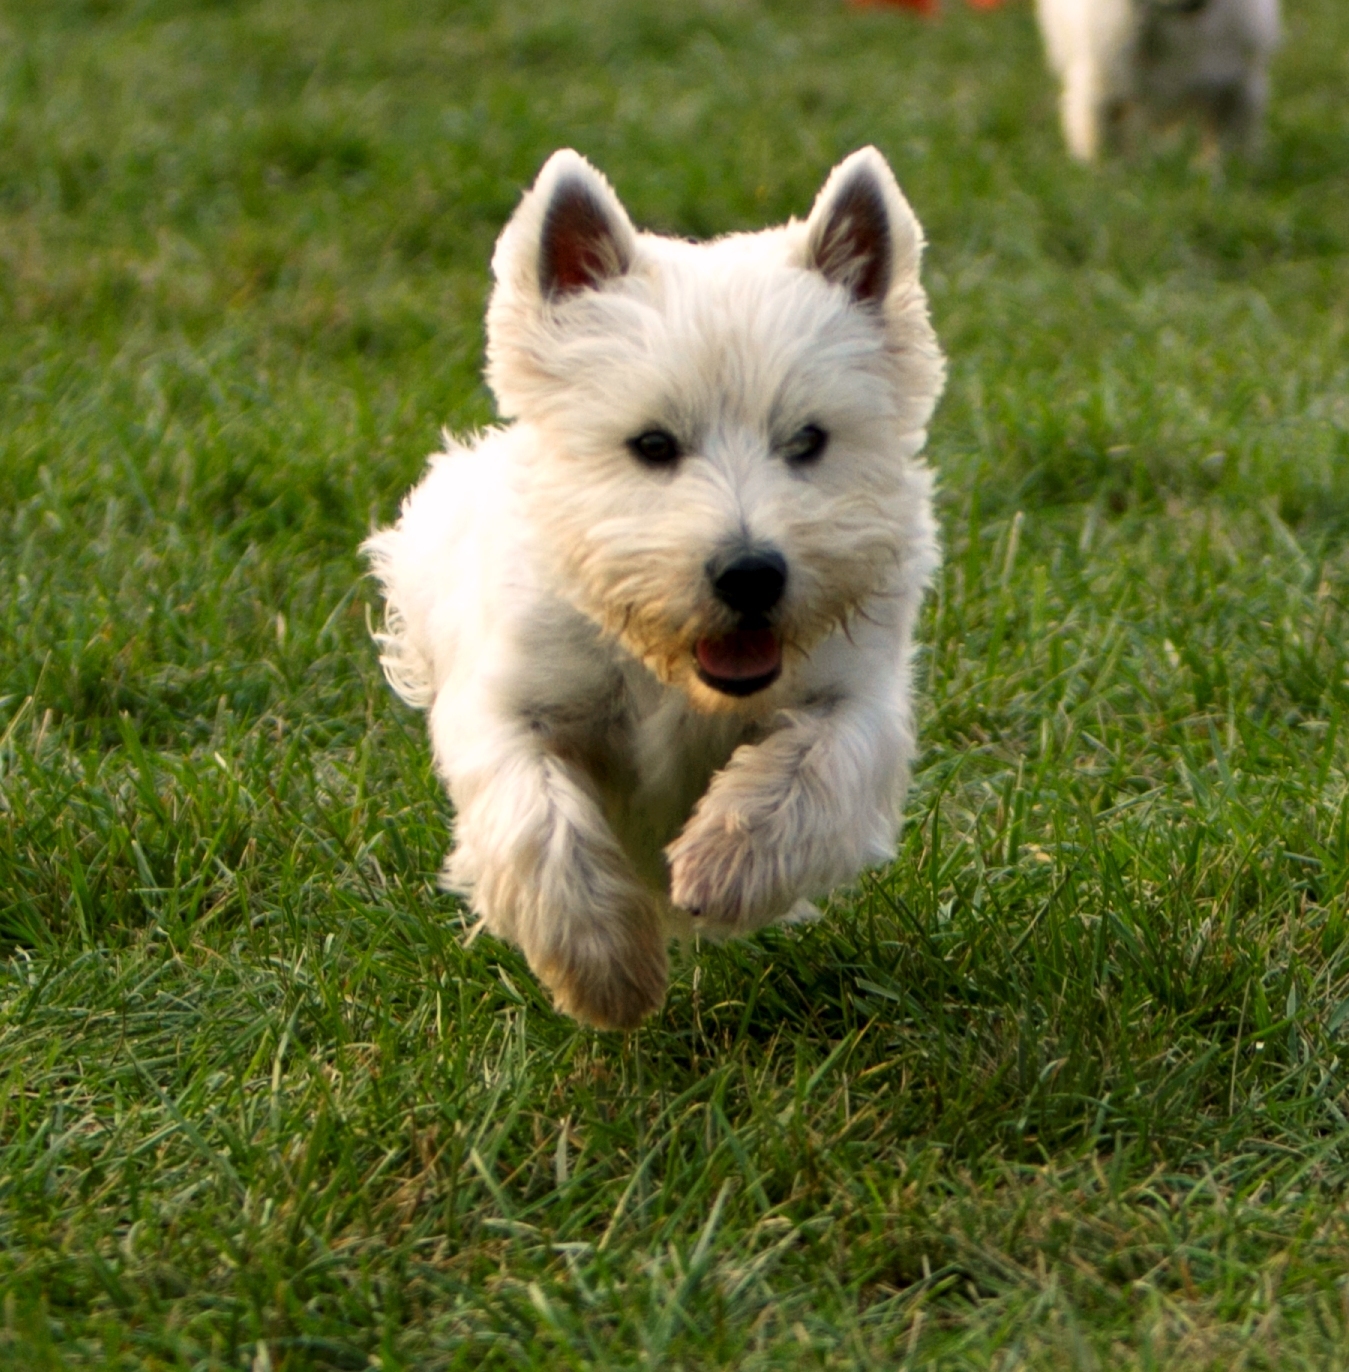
(672, 754)
(648, 755)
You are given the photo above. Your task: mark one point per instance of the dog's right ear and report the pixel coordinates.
(586, 237)
(570, 233)
(567, 240)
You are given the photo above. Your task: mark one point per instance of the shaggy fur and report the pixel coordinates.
(639, 742)
(1156, 60)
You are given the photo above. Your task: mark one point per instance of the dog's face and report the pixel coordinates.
(725, 468)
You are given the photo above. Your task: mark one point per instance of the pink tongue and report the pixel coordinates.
(741, 655)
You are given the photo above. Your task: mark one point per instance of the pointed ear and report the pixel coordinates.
(861, 234)
(586, 237)
(569, 234)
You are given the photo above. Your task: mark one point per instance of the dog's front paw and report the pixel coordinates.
(610, 975)
(732, 877)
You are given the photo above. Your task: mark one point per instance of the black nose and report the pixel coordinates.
(750, 583)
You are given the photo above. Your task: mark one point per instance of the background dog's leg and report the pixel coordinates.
(1235, 115)
(543, 869)
(1080, 109)
(793, 816)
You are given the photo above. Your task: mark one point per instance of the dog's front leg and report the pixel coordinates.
(1082, 108)
(794, 815)
(543, 869)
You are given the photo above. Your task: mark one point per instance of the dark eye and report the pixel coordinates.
(656, 447)
(806, 444)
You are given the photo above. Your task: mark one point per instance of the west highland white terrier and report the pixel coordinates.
(1156, 60)
(662, 622)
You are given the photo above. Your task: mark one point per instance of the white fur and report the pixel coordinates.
(1160, 58)
(545, 590)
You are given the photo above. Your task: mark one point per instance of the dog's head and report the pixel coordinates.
(725, 468)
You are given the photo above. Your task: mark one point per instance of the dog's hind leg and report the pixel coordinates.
(1234, 115)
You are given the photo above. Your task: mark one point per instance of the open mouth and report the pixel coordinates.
(741, 662)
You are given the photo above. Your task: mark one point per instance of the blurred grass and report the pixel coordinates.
(1063, 1088)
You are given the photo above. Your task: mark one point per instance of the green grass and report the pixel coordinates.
(1067, 1087)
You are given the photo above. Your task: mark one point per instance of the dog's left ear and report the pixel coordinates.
(861, 234)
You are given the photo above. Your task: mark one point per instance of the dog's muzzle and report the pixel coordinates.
(748, 659)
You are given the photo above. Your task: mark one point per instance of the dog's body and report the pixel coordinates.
(662, 623)
(1158, 60)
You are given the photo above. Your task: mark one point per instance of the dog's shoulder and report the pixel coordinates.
(454, 565)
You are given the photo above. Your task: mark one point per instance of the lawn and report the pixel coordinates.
(1066, 1087)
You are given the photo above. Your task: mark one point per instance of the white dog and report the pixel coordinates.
(1160, 59)
(662, 622)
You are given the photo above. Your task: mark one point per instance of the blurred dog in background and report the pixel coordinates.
(1124, 62)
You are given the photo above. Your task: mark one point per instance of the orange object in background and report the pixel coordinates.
(922, 6)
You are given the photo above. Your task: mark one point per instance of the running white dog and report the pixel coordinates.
(662, 622)
(1160, 59)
